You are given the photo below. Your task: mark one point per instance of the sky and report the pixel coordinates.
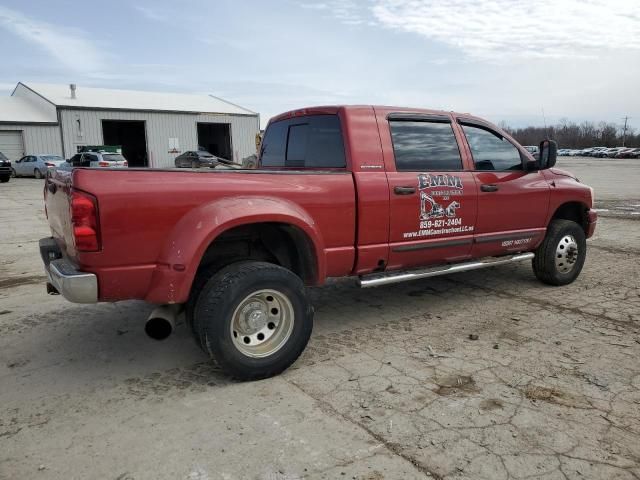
(505, 60)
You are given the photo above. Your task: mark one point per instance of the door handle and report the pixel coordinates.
(489, 188)
(404, 190)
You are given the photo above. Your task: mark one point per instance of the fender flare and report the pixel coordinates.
(194, 232)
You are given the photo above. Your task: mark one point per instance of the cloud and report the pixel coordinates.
(347, 11)
(151, 13)
(495, 29)
(67, 45)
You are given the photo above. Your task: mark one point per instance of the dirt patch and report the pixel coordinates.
(17, 281)
(456, 385)
(554, 395)
(375, 475)
(514, 337)
(491, 404)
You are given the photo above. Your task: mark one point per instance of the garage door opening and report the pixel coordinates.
(130, 135)
(12, 146)
(215, 138)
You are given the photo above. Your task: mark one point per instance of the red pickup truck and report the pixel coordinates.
(383, 194)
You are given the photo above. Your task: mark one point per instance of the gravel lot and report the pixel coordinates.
(390, 386)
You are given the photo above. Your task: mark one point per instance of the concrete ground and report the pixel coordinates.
(390, 387)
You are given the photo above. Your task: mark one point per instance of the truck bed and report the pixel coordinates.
(150, 220)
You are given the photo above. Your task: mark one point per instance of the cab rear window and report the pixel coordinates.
(313, 141)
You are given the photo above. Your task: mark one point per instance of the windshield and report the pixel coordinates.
(113, 157)
(52, 158)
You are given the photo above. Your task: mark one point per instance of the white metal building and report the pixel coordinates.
(152, 128)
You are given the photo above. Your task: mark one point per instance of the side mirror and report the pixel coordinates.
(548, 154)
(532, 166)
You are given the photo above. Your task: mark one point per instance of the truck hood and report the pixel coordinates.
(564, 173)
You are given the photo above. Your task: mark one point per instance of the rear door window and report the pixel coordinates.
(313, 141)
(424, 146)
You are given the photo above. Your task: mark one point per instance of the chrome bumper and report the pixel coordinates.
(72, 284)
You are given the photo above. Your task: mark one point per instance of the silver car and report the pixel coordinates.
(35, 165)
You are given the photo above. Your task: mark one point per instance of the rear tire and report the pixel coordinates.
(194, 165)
(560, 257)
(254, 319)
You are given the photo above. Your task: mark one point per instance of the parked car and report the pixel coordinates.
(629, 153)
(198, 159)
(36, 165)
(100, 159)
(604, 152)
(385, 194)
(586, 152)
(533, 150)
(612, 152)
(5, 168)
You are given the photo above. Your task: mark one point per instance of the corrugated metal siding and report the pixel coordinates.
(159, 127)
(38, 138)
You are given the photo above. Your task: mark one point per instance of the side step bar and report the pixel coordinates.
(378, 279)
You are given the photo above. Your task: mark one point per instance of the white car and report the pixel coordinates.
(99, 159)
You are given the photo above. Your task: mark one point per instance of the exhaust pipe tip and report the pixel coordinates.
(158, 328)
(162, 321)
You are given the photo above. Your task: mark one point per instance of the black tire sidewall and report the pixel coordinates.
(214, 318)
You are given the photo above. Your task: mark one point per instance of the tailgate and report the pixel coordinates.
(57, 196)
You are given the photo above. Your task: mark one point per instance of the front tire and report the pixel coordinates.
(37, 173)
(5, 179)
(254, 319)
(560, 257)
(13, 173)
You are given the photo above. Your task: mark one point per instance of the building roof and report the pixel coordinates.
(104, 98)
(21, 110)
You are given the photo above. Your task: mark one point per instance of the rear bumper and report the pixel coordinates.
(592, 219)
(72, 284)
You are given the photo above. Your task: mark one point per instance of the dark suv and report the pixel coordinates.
(5, 168)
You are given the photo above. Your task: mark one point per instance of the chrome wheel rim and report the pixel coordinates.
(566, 254)
(262, 323)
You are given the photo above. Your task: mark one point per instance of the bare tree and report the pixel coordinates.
(572, 135)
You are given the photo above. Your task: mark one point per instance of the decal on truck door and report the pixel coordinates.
(438, 210)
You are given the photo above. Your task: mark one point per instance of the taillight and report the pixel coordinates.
(50, 164)
(126, 164)
(84, 220)
(103, 164)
